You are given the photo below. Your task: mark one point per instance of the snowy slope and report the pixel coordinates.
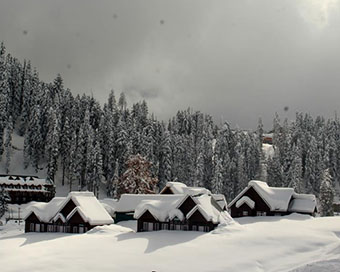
(257, 244)
(17, 168)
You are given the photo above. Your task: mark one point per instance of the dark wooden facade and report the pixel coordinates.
(261, 207)
(21, 190)
(75, 223)
(196, 222)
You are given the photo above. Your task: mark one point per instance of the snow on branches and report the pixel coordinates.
(137, 178)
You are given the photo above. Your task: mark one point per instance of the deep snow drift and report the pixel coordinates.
(295, 242)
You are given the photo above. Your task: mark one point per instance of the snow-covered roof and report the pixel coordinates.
(109, 205)
(160, 207)
(46, 211)
(220, 199)
(166, 208)
(277, 199)
(93, 211)
(181, 188)
(87, 204)
(129, 202)
(22, 180)
(247, 200)
(304, 203)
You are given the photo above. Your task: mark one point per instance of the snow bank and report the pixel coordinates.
(283, 244)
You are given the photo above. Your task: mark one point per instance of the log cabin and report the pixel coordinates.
(259, 199)
(76, 213)
(180, 212)
(23, 189)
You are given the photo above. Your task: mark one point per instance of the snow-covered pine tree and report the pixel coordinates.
(4, 199)
(326, 194)
(8, 143)
(165, 159)
(4, 95)
(274, 170)
(137, 178)
(217, 179)
(294, 176)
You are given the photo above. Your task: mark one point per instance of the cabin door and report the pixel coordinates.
(150, 226)
(81, 229)
(37, 227)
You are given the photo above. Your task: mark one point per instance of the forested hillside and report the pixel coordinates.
(90, 144)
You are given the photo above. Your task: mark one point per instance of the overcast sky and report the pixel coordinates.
(236, 60)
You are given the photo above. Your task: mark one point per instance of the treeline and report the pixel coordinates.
(90, 144)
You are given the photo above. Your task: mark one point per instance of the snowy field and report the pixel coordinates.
(291, 243)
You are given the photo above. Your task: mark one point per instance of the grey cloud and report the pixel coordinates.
(236, 60)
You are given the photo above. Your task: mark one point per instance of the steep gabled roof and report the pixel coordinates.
(246, 200)
(87, 204)
(280, 199)
(166, 208)
(276, 198)
(161, 208)
(46, 211)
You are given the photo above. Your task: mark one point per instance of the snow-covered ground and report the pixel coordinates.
(291, 243)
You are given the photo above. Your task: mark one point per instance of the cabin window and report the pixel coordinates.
(75, 229)
(50, 228)
(185, 227)
(68, 229)
(172, 226)
(177, 227)
(42, 228)
(194, 227)
(145, 226)
(165, 226)
(200, 228)
(206, 229)
(32, 227)
(150, 226)
(156, 226)
(245, 213)
(81, 229)
(258, 213)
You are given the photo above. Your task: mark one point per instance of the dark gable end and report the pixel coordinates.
(197, 217)
(76, 219)
(167, 191)
(148, 217)
(260, 204)
(187, 205)
(32, 218)
(68, 208)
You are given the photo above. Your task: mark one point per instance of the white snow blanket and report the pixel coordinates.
(288, 243)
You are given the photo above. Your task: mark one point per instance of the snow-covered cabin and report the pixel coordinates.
(180, 212)
(23, 189)
(126, 206)
(174, 187)
(259, 199)
(76, 213)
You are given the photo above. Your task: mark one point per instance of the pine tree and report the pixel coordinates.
(4, 94)
(8, 144)
(4, 199)
(326, 194)
(217, 180)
